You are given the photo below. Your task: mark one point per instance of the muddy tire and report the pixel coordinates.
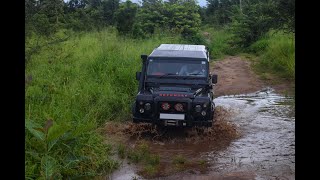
(209, 124)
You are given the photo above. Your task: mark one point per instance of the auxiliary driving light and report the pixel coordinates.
(141, 110)
(178, 107)
(165, 106)
(203, 113)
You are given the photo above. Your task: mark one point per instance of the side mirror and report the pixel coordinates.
(144, 57)
(138, 74)
(214, 79)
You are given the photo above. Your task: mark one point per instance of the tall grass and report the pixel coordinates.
(277, 53)
(218, 41)
(276, 49)
(73, 88)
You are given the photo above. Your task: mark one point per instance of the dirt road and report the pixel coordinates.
(235, 76)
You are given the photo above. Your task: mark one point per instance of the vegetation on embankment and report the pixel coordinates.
(71, 89)
(218, 41)
(277, 54)
(274, 52)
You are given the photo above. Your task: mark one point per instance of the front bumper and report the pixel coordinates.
(179, 123)
(190, 119)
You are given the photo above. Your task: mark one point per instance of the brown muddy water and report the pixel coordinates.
(253, 138)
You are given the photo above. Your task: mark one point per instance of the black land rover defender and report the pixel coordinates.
(175, 87)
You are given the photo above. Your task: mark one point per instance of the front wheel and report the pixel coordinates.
(209, 124)
(133, 109)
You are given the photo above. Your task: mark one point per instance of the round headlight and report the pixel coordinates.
(198, 108)
(203, 113)
(178, 107)
(147, 106)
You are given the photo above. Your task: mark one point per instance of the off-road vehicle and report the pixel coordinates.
(175, 87)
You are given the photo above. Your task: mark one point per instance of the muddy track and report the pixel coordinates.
(235, 76)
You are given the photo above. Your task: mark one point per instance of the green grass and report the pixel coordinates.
(142, 155)
(277, 54)
(179, 160)
(79, 84)
(121, 151)
(276, 50)
(218, 42)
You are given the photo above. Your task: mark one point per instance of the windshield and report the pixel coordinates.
(168, 67)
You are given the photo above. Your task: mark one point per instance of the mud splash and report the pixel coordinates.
(172, 143)
(253, 138)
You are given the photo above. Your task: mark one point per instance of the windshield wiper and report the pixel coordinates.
(192, 75)
(195, 73)
(168, 74)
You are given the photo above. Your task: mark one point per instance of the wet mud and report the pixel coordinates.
(253, 137)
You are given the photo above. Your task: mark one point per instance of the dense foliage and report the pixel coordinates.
(72, 88)
(248, 19)
(251, 19)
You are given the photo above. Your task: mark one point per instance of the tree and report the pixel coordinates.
(286, 15)
(109, 8)
(77, 4)
(31, 8)
(125, 17)
(219, 11)
(44, 17)
(254, 20)
(151, 15)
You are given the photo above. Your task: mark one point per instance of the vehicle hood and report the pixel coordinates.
(174, 92)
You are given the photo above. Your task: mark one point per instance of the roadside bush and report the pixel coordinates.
(218, 41)
(277, 53)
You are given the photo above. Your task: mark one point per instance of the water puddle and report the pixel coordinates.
(253, 138)
(267, 145)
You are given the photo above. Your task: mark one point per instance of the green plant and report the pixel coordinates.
(153, 160)
(60, 150)
(202, 162)
(279, 55)
(121, 151)
(179, 160)
(149, 170)
(218, 42)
